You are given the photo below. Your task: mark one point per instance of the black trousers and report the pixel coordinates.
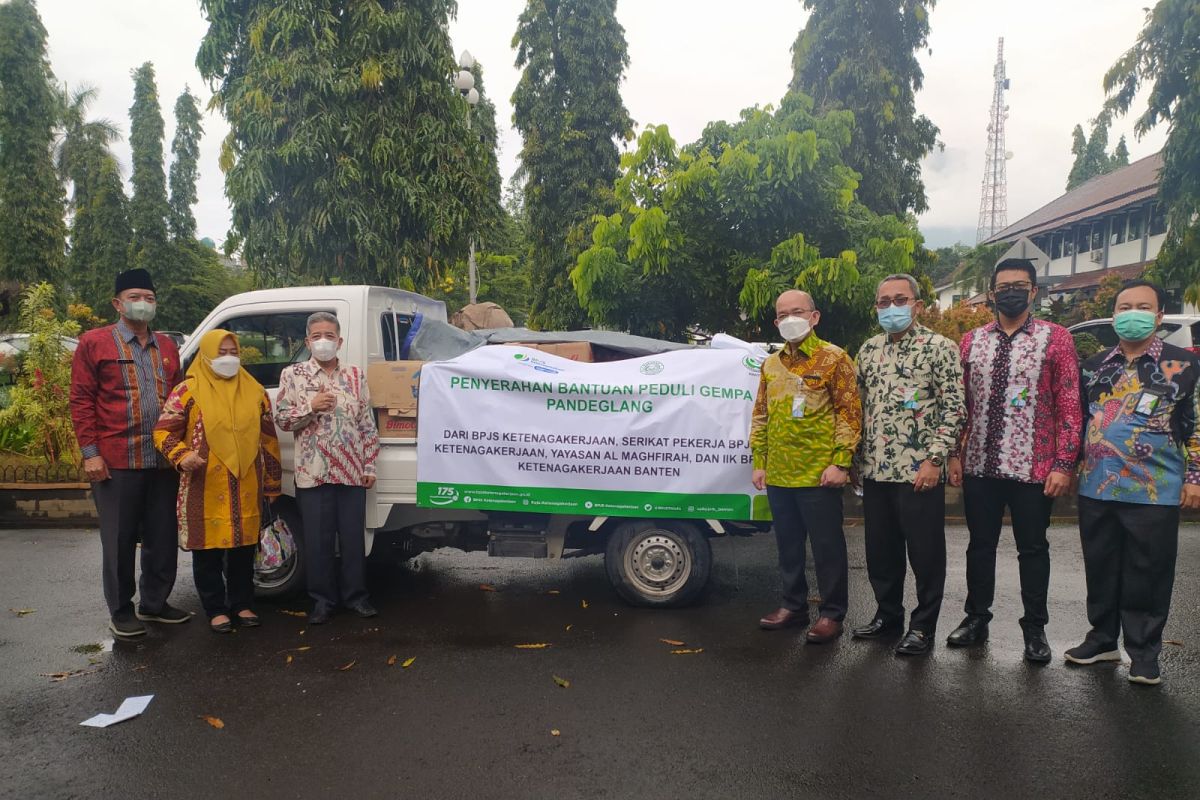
(897, 519)
(814, 513)
(133, 504)
(1129, 554)
(333, 513)
(984, 501)
(224, 579)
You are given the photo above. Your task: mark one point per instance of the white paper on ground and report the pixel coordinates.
(131, 707)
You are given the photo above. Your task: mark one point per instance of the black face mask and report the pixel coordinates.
(1012, 302)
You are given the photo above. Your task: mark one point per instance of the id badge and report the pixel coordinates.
(1148, 403)
(910, 397)
(798, 407)
(1019, 397)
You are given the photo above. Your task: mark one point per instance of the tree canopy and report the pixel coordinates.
(185, 150)
(348, 157)
(148, 208)
(569, 111)
(1091, 158)
(860, 56)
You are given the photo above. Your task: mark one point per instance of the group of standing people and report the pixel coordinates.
(1011, 417)
(191, 460)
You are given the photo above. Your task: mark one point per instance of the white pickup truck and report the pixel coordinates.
(649, 562)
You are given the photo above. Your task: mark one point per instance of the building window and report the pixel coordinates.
(1158, 221)
(1097, 236)
(1117, 231)
(1083, 238)
(1068, 244)
(1056, 245)
(1137, 226)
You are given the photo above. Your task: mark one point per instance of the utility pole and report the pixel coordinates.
(993, 207)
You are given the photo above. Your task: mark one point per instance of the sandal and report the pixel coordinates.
(221, 627)
(249, 620)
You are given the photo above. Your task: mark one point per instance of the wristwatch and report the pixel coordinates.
(937, 461)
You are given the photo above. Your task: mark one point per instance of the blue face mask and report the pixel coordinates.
(895, 319)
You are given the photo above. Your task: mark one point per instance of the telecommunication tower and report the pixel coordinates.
(993, 208)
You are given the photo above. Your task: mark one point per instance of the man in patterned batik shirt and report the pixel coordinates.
(802, 437)
(910, 381)
(328, 406)
(1141, 462)
(1019, 449)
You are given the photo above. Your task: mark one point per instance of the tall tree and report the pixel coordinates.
(860, 55)
(185, 150)
(1091, 153)
(100, 233)
(32, 230)
(148, 209)
(568, 109)
(79, 138)
(1166, 58)
(348, 155)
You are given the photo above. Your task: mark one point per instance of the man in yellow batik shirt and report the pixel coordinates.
(806, 427)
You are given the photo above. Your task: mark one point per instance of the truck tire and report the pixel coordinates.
(658, 563)
(288, 580)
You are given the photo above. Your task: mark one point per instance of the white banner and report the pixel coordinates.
(515, 429)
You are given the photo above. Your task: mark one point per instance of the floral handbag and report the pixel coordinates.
(275, 544)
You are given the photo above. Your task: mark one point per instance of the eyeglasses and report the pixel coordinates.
(900, 301)
(1023, 286)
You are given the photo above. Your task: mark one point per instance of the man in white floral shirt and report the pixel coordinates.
(328, 406)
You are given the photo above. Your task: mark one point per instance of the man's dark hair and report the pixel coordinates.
(1136, 282)
(1024, 264)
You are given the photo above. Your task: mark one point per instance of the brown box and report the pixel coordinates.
(393, 426)
(394, 385)
(572, 351)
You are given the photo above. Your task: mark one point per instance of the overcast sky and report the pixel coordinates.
(692, 61)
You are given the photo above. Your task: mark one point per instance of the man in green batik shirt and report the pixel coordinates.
(911, 383)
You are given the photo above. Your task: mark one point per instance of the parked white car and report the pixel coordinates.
(1181, 330)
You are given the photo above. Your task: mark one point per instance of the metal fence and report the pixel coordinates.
(41, 473)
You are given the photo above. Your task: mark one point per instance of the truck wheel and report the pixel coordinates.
(658, 563)
(288, 579)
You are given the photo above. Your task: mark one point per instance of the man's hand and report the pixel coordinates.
(835, 477)
(95, 469)
(928, 477)
(323, 401)
(1191, 496)
(192, 462)
(954, 470)
(759, 479)
(1057, 484)
(368, 481)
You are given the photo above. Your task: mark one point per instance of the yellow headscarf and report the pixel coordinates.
(230, 407)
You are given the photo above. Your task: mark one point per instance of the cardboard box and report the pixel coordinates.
(394, 385)
(572, 351)
(393, 426)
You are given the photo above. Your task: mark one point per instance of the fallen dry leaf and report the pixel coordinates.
(569, 627)
(303, 631)
(563, 682)
(295, 649)
(555, 732)
(687, 652)
(1175, 642)
(533, 646)
(291, 613)
(23, 612)
(584, 603)
(408, 662)
(486, 587)
(289, 660)
(216, 723)
(673, 642)
(140, 667)
(348, 666)
(551, 591)
(391, 661)
(58, 677)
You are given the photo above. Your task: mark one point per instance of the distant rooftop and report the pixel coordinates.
(1103, 194)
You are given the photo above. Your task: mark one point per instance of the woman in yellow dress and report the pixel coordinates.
(216, 429)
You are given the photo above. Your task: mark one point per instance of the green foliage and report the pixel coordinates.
(32, 230)
(185, 148)
(148, 209)
(860, 56)
(977, 267)
(502, 270)
(1086, 345)
(1165, 58)
(40, 400)
(100, 232)
(569, 111)
(349, 156)
(79, 140)
(954, 322)
(946, 261)
(183, 304)
(1091, 159)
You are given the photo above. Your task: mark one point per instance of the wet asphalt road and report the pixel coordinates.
(755, 715)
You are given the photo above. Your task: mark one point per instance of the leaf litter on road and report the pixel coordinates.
(555, 732)
(391, 662)
(532, 646)
(214, 721)
(673, 642)
(563, 682)
(691, 652)
(583, 603)
(408, 662)
(1174, 642)
(486, 587)
(345, 667)
(291, 613)
(23, 612)
(59, 677)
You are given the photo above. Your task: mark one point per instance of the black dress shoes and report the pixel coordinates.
(876, 629)
(1037, 649)
(970, 632)
(319, 615)
(365, 610)
(914, 643)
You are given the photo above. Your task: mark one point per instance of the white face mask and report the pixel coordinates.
(139, 310)
(793, 329)
(226, 366)
(323, 349)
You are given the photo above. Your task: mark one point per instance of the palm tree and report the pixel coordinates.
(80, 140)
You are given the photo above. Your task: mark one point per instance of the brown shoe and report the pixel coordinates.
(826, 630)
(783, 618)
